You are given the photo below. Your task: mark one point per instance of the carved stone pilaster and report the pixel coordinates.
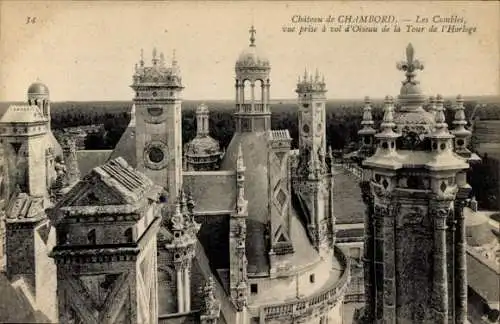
(440, 278)
(368, 251)
(460, 264)
(389, 265)
(211, 308)
(380, 212)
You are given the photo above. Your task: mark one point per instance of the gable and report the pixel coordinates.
(90, 194)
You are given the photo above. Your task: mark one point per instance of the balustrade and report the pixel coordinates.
(247, 108)
(305, 306)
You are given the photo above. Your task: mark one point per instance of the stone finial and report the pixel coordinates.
(211, 307)
(174, 58)
(190, 202)
(388, 119)
(459, 120)
(410, 66)
(367, 113)
(252, 36)
(177, 219)
(154, 60)
(387, 125)
(316, 76)
(473, 204)
(440, 119)
(432, 105)
(142, 58)
(305, 75)
(162, 59)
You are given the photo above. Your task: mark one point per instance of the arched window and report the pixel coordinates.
(258, 91)
(247, 92)
(91, 237)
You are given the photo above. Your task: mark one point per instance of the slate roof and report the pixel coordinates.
(483, 277)
(15, 307)
(479, 231)
(89, 159)
(125, 147)
(52, 141)
(212, 191)
(22, 114)
(254, 148)
(348, 206)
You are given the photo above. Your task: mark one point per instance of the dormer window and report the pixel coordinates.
(129, 237)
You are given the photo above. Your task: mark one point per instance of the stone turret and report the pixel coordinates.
(414, 187)
(203, 152)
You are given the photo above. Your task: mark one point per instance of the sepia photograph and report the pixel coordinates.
(249, 162)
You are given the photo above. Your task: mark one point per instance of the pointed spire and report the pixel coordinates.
(142, 58)
(305, 75)
(316, 77)
(162, 59)
(240, 165)
(252, 36)
(132, 116)
(174, 58)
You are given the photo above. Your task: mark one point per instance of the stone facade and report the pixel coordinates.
(158, 118)
(106, 247)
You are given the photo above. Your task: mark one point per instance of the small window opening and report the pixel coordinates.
(253, 288)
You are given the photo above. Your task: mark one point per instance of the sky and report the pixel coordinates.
(86, 51)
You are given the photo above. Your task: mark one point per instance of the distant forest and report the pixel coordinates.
(343, 120)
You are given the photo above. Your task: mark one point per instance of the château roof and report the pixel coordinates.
(112, 188)
(483, 277)
(23, 114)
(255, 150)
(89, 159)
(479, 231)
(212, 191)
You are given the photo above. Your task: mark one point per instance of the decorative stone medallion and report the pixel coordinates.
(156, 155)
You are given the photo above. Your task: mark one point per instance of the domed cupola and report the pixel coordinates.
(203, 152)
(252, 90)
(251, 61)
(412, 121)
(38, 89)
